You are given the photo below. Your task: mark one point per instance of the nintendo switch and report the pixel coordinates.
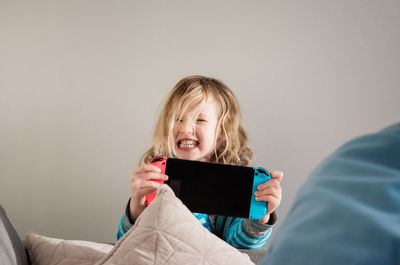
(212, 188)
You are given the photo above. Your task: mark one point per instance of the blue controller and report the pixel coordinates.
(258, 209)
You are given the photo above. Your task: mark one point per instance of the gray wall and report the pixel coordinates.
(82, 81)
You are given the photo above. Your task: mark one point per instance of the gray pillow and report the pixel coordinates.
(11, 249)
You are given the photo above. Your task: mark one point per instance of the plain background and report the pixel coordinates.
(82, 84)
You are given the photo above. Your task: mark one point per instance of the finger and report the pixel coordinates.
(146, 180)
(139, 170)
(265, 219)
(269, 183)
(152, 168)
(150, 187)
(269, 191)
(143, 191)
(273, 202)
(276, 174)
(266, 197)
(146, 188)
(156, 176)
(147, 168)
(148, 176)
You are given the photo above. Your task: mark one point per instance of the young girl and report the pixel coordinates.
(201, 121)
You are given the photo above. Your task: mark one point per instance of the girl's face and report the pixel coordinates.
(195, 136)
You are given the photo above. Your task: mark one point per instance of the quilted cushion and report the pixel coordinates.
(50, 251)
(168, 233)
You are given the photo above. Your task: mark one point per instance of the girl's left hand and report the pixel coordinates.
(270, 192)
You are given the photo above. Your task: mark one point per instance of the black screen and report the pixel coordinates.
(211, 188)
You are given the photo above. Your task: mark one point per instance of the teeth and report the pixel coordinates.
(187, 144)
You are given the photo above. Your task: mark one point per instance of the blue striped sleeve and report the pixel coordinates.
(236, 236)
(121, 230)
(123, 226)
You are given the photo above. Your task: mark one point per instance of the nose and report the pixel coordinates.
(186, 126)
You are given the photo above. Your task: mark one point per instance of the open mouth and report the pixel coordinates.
(187, 143)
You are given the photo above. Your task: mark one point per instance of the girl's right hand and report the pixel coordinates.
(141, 185)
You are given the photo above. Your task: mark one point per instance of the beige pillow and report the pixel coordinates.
(48, 251)
(168, 233)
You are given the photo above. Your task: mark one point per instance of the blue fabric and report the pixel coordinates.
(121, 229)
(236, 237)
(348, 211)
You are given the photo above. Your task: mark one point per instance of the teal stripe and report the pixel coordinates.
(228, 223)
(235, 240)
(238, 238)
(253, 243)
(251, 240)
(121, 230)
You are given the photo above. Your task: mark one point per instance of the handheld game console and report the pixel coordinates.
(212, 188)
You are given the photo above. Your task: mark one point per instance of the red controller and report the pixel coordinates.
(161, 163)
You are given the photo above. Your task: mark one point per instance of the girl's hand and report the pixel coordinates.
(270, 192)
(141, 185)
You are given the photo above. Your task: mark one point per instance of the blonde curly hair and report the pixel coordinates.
(191, 91)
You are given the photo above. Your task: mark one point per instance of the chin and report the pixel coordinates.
(187, 156)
